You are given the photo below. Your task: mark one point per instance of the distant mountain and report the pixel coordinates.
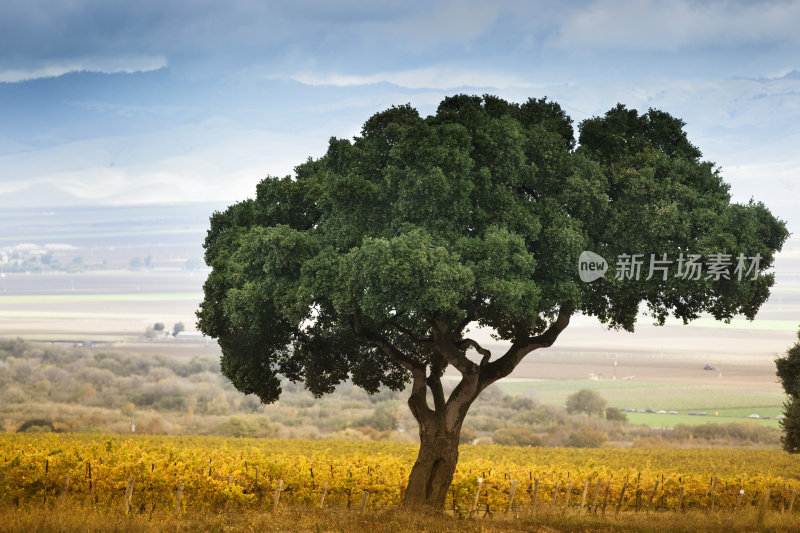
(40, 195)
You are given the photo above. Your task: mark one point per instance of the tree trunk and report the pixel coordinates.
(436, 463)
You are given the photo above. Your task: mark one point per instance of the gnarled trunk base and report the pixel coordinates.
(433, 471)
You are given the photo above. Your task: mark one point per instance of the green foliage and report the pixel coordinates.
(36, 426)
(586, 401)
(239, 426)
(384, 417)
(788, 369)
(476, 214)
(791, 425)
(742, 433)
(789, 375)
(616, 415)
(177, 328)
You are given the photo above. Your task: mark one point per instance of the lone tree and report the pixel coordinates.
(789, 376)
(373, 262)
(586, 401)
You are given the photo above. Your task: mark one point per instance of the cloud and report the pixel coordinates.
(421, 78)
(108, 65)
(216, 160)
(643, 25)
(47, 38)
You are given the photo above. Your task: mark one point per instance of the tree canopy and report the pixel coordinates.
(788, 372)
(475, 214)
(374, 260)
(586, 401)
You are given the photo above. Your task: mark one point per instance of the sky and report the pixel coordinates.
(112, 102)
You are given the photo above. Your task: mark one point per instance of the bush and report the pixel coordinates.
(36, 426)
(237, 426)
(733, 432)
(383, 418)
(516, 436)
(519, 403)
(615, 415)
(467, 436)
(586, 438)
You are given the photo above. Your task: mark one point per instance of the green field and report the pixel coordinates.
(667, 421)
(732, 404)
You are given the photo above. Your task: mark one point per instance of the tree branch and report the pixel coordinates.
(460, 399)
(480, 349)
(449, 350)
(521, 347)
(388, 348)
(417, 402)
(435, 384)
(411, 335)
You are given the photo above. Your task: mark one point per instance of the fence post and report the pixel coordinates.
(783, 498)
(532, 505)
(593, 506)
(277, 497)
(129, 494)
(739, 499)
(569, 493)
(585, 491)
(555, 496)
(324, 491)
(605, 496)
(713, 492)
(762, 511)
(364, 499)
(621, 496)
(652, 495)
(511, 494)
(679, 507)
(64, 489)
(791, 502)
(227, 501)
(477, 495)
(179, 497)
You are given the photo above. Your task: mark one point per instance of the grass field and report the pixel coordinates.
(732, 403)
(75, 516)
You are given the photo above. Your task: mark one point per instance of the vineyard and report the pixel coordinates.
(192, 474)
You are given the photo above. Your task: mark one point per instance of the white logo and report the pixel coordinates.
(591, 266)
